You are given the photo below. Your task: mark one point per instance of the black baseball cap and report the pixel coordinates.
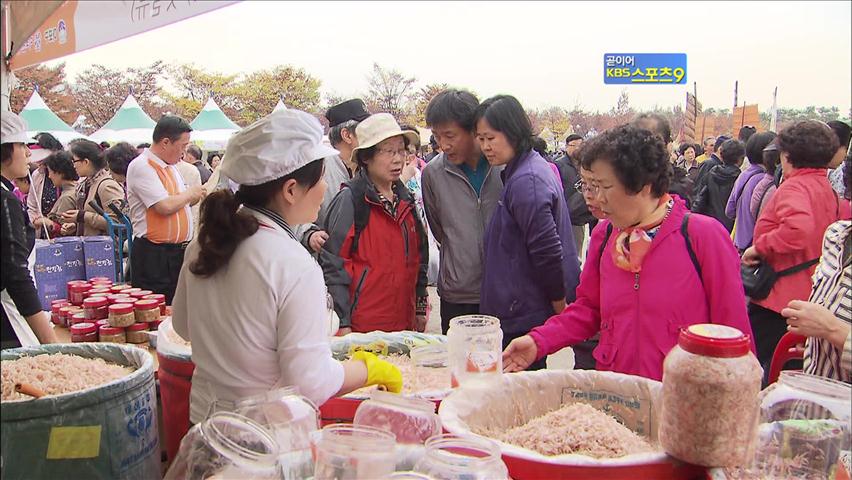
(354, 109)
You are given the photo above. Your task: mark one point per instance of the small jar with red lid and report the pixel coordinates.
(84, 332)
(711, 381)
(65, 314)
(101, 323)
(100, 280)
(161, 299)
(119, 288)
(54, 310)
(96, 308)
(147, 310)
(77, 292)
(141, 294)
(110, 334)
(130, 291)
(79, 317)
(97, 289)
(121, 315)
(119, 298)
(137, 333)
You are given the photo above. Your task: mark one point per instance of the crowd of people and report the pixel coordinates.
(612, 247)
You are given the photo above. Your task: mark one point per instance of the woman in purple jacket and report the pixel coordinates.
(652, 269)
(531, 268)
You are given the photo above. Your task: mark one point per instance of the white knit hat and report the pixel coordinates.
(273, 147)
(13, 129)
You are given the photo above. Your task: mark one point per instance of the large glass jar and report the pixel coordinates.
(450, 457)
(291, 418)
(475, 349)
(226, 446)
(804, 427)
(349, 452)
(710, 385)
(411, 420)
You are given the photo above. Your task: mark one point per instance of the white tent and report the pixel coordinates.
(212, 129)
(129, 124)
(40, 118)
(279, 106)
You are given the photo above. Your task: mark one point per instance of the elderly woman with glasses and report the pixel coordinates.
(377, 253)
(652, 268)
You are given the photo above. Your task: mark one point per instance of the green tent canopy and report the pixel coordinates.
(129, 124)
(40, 118)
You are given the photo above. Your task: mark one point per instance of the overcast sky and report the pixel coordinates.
(544, 53)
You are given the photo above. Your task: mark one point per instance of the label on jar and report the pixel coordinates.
(482, 362)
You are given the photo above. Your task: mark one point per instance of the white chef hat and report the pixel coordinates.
(273, 147)
(13, 129)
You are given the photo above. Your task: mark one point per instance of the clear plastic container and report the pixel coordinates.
(710, 385)
(411, 420)
(430, 356)
(804, 427)
(450, 457)
(291, 418)
(475, 346)
(226, 446)
(349, 452)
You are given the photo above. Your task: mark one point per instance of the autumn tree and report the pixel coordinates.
(421, 99)
(388, 91)
(259, 92)
(194, 86)
(100, 91)
(52, 86)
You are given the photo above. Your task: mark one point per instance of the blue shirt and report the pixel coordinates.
(476, 177)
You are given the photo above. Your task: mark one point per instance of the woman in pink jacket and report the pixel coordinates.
(652, 269)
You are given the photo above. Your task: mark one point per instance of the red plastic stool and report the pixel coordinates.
(784, 352)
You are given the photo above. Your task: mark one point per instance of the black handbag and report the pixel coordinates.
(759, 279)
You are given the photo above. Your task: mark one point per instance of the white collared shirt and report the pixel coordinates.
(259, 323)
(144, 189)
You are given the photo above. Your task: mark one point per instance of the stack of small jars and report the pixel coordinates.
(96, 310)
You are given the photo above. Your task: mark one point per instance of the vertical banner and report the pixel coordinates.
(79, 25)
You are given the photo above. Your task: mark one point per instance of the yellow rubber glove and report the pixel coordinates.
(380, 372)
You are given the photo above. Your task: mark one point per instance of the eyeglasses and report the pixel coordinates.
(393, 153)
(587, 188)
(77, 160)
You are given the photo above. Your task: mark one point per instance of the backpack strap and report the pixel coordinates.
(684, 230)
(605, 241)
(361, 211)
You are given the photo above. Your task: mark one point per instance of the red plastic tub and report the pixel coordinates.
(521, 469)
(175, 383)
(342, 410)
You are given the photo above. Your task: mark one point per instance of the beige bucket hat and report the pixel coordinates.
(379, 127)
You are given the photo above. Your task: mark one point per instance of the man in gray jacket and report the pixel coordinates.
(342, 120)
(460, 192)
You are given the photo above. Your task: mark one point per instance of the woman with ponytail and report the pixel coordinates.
(250, 298)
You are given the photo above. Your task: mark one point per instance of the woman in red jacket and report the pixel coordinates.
(376, 257)
(790, 229)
